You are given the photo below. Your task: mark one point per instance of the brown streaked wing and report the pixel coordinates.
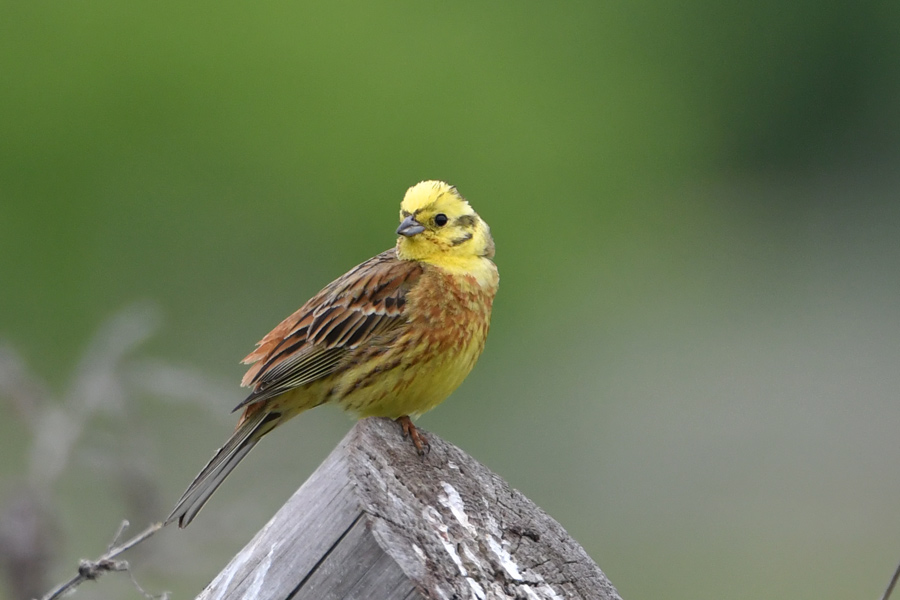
(367, 301)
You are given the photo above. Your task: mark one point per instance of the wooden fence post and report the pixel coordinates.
(376, 521)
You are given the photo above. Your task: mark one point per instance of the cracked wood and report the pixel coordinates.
(378, 521)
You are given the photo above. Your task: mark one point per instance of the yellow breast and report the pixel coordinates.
(449, 315)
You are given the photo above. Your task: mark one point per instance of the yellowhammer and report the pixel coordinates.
(393, 337)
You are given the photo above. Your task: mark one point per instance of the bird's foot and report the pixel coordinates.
(418, 440)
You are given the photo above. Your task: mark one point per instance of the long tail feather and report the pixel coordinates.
(226, 458)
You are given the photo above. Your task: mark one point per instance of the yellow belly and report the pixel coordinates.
(450, 317)
(411, 389)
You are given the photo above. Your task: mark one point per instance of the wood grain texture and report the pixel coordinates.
(376, 521)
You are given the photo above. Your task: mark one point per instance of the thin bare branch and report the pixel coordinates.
(90, 570)
(108, 379)
(119, 533)
(890, 587)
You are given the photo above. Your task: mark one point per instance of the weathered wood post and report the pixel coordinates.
(378, 522)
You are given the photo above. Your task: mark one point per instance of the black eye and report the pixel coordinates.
(440, 220)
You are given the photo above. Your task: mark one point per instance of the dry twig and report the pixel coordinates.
(90, 570)
(108, 380)
(890, 587)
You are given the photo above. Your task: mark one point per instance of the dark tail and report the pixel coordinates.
(226, 458)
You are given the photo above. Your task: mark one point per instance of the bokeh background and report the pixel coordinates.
(694, 363)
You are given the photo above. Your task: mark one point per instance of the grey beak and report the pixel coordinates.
(410, 227)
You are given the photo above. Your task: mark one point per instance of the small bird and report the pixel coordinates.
(393, 337)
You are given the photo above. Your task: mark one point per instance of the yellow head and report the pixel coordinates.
(438, 226)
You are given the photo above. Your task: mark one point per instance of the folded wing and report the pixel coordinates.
(357, 309)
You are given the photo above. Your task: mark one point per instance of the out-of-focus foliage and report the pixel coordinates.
(693, 358)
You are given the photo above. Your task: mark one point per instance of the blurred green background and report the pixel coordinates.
(693, 363)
